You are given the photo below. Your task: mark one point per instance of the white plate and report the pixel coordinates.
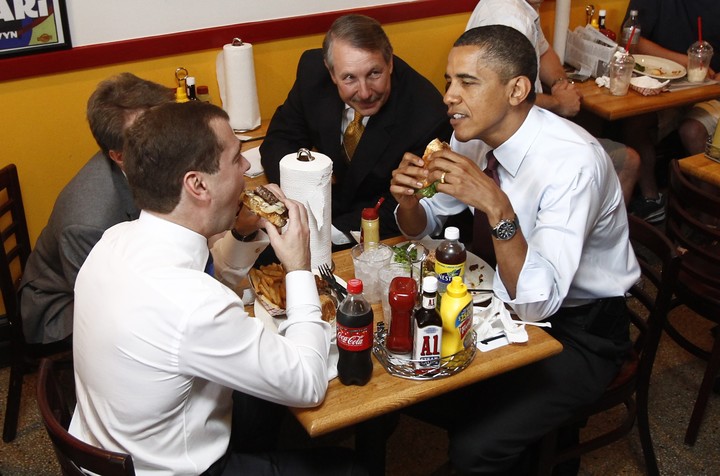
(478, 274)
(669, 69)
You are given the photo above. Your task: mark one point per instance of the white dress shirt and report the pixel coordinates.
(569, 205)
(159, 346)
(518, 14)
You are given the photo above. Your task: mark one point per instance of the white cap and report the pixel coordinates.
(602, 13)
(429, 284)
(190, 80)
(452, 233)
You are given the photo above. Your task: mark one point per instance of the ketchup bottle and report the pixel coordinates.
(354, 336)
(401, 295)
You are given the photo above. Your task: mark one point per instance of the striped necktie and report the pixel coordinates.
(352, 135)
(482, 238)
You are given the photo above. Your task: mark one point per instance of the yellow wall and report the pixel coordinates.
(45, 133)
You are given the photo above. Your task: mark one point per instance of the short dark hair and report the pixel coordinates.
(115, 101)
(163, 145)
(361, 32)
(508, 51)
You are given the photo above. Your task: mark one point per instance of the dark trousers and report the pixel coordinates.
(493, 423)
(253, 447)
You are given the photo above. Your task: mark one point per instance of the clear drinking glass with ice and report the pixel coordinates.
(368, 260)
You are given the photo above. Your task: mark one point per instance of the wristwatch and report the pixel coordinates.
(243, 238)
(506, 229)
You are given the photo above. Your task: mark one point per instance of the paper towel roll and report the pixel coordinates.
(309, 182)
(236, 82)
(562, 22)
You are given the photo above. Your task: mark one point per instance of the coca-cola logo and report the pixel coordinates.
(354, 339)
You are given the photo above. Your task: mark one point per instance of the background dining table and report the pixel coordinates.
(600, 102)
(700, 167)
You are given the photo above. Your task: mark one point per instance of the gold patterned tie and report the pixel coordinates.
(352, 134)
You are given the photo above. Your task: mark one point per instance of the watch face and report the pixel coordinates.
(505, 230)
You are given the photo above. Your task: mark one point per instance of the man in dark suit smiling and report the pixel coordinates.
(356, 78)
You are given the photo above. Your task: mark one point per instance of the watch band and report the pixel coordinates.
(243, 238)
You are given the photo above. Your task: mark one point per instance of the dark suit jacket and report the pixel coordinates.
(311, 117)
(97, 198)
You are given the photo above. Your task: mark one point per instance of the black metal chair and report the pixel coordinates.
(649, 304)
(14, 253)
(75, 456)
(690, 215)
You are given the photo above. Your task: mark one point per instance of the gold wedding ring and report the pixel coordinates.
(442, 177)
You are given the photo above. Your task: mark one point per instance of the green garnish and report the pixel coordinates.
(401, 253)
(428, 191)
(639, 67)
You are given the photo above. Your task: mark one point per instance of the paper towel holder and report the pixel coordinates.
(237, 42)
(304, 155)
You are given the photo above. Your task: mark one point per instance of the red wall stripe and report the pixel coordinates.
(254, 32)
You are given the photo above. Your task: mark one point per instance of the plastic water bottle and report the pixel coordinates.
(627, 29)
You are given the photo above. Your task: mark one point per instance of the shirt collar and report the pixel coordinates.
(193, 243)
(511, 153)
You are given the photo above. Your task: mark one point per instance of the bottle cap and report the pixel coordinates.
(369, 214)
(456, 288)
(202, 90)
(181, 95)
(633, 13)
(190, 80)
(602, 13)
(354, 286)
(452, 233)
(429, 284)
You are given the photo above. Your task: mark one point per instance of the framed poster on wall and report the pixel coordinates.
(32, 26)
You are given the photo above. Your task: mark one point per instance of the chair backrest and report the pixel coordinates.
(72, 453)
(15, 242)
(690, 212)
(660, 264)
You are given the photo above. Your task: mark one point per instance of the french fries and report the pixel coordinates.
(269, 280)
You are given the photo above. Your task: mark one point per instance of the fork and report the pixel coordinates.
(329, 278)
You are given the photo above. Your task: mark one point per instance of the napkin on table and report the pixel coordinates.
(493, 321)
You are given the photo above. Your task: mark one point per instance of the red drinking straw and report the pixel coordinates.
(700, 30)
(380, 202)
(627, 47)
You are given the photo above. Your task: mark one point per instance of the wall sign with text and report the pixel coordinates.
(29, 26)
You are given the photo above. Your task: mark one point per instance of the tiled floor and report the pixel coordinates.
(418, 449)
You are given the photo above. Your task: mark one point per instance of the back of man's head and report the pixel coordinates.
(361, 32)
(116, 102)
(163, 145)
(507, 51)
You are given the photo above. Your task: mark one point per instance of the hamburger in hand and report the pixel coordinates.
(265, 204)
(428, 189)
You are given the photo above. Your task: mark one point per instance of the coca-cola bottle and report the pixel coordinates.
(354, 336)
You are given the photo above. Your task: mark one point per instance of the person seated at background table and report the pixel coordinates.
(563, 98)
(668, 28)
(97, 198)
(158, 386)
(356, 74)
(559, 236)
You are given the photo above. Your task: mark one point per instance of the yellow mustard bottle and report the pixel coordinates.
(456, 313)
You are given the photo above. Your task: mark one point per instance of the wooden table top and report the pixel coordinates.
(702, 168)
(600, 102)
(347, 405)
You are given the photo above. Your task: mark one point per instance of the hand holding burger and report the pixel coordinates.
(429, 189)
